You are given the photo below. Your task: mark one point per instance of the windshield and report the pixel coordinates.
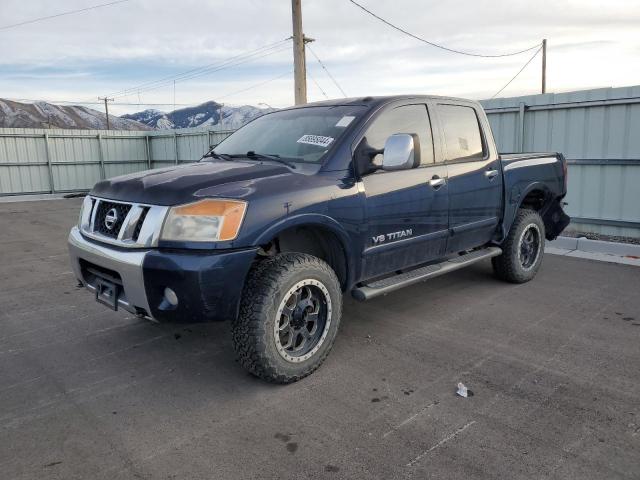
(298, 135)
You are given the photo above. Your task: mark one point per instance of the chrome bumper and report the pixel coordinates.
(126, 263)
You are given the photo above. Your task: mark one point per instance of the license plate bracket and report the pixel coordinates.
(107, 293)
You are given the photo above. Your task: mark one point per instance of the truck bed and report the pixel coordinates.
(538, 174)
(526, 155)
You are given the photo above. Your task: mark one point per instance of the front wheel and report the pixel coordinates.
(289, 316)
(522, 250)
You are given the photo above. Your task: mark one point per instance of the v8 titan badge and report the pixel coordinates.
(378, 239)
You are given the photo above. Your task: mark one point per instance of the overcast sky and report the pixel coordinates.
(78, 57)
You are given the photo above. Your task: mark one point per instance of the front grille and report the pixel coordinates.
(133, 225)
(136, 231)
(100, 223)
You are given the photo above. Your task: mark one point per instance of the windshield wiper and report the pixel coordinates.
(213, 154)
(251, 155)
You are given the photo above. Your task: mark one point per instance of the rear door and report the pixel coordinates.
(475, 177)
(406, 210)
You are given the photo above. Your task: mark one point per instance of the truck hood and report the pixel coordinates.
(187, 183)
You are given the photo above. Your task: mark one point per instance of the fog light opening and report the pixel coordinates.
(171, 297)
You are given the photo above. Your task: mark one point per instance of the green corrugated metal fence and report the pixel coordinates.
(599, 133)
(54, 161)
(597, 130)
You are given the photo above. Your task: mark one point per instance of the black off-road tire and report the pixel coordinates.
(267, 284)
(509, 266)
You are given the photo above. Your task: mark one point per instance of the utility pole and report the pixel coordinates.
(106, 108)
(221, 120)
(299, 62)
(544, 65)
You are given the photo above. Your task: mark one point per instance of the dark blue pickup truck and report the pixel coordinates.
(300, 206)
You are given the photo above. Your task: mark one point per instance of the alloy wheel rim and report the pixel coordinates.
(530, 244)
(302, 320)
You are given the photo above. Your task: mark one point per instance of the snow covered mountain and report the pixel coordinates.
(47, 115)
(203, 115)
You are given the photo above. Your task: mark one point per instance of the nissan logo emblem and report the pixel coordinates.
(111, 218)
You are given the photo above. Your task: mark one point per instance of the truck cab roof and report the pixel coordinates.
(377, 101)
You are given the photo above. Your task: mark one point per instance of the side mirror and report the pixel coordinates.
(401, 152)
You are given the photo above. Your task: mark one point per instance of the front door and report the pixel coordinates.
(475, 179)
(406, 210)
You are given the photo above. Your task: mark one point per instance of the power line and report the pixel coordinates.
(82, 102)
(251, 87)
(235, 61)
(176, 76)
(318, 85)
(70, 12)
(207, 69)
(519, 72)
(442, 47)
(256, 85)
(327, 71)
(71, 102)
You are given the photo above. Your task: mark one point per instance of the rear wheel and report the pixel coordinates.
(522, 250)
(289, 316)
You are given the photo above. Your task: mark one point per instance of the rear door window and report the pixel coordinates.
(461, 132)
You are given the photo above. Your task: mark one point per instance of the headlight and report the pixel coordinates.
(85, 213)
(80, 215)
(204, 221)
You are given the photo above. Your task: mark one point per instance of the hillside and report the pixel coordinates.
(205, 114)
(47, 115)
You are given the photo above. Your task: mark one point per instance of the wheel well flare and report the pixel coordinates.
(313, 240)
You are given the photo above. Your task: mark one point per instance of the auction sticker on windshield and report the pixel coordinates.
(317, 140)
(345, 121)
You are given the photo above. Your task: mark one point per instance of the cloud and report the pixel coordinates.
(82, 56)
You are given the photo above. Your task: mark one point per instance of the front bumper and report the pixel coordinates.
(208, 284)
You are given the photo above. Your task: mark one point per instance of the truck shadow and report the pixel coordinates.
(202, 354)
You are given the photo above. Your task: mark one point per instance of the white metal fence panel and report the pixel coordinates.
(598, 132)
(191, 146)
(23, 160)
(41, 161)
(163, 150)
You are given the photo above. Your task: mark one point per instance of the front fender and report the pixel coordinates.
(312, 219)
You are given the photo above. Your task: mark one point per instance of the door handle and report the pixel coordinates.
(436, 182)
(490, 174)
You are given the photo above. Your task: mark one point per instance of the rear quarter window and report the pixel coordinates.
(461, 132)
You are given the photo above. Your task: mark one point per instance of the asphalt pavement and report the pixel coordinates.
(87, 393)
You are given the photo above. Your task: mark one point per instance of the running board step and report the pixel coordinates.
(389, 284)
